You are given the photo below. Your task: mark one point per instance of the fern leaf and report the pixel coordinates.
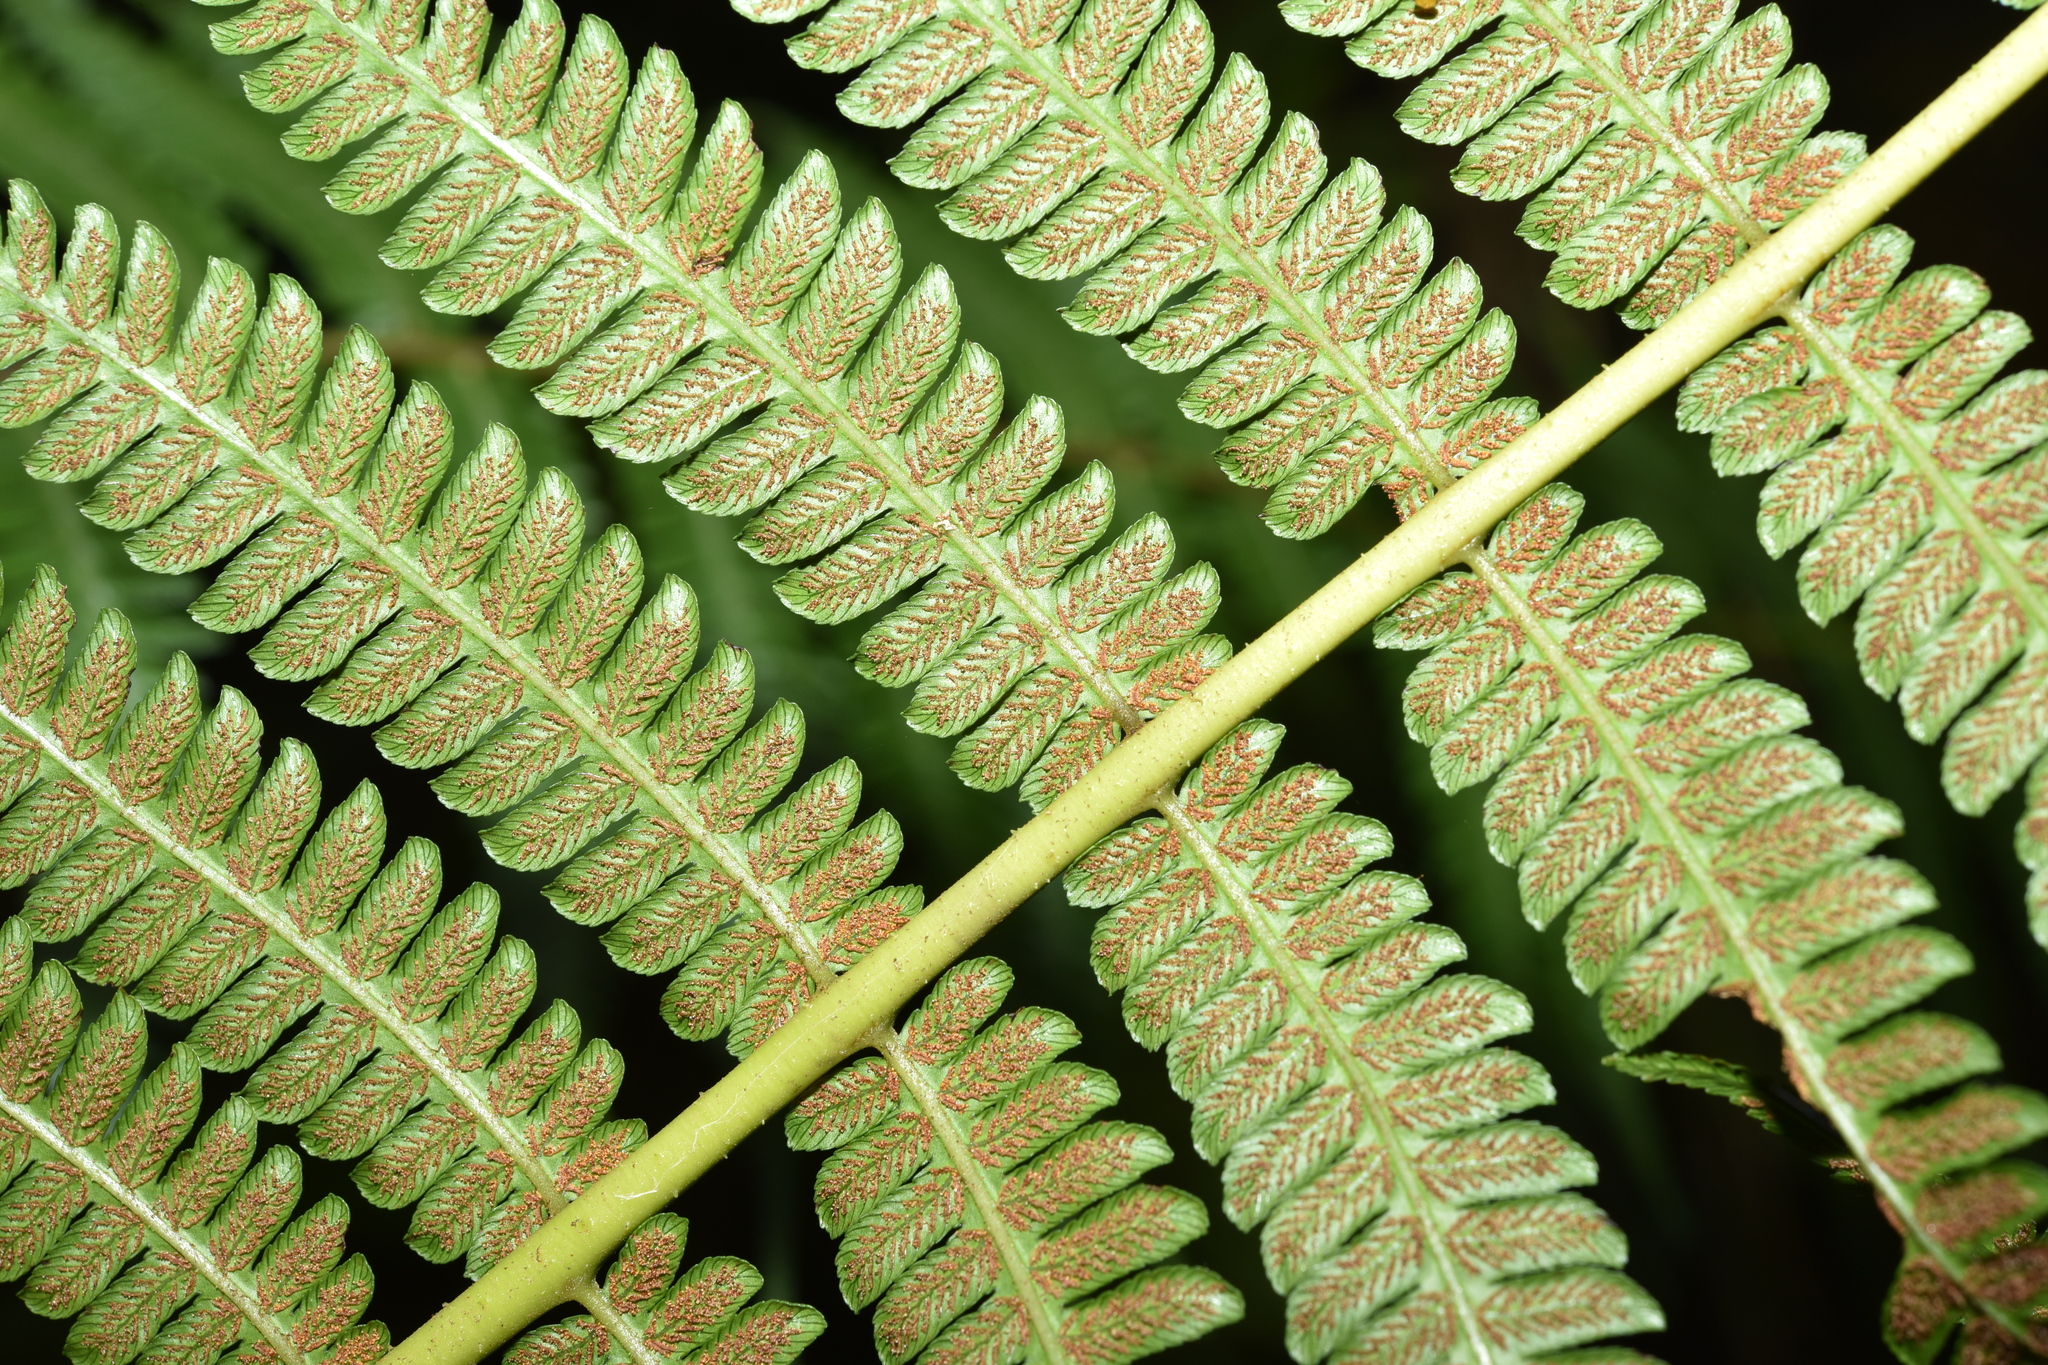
(1484, 698)
(887, 462)
(159, 1240)
(1106, 141)
(1915, 480)
(1659, 801)
(206, 890)
(157, 1245)
(456, 605)
(1350, 1090)
(506, 653)
(981, 1211)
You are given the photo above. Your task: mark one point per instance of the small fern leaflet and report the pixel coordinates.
(971, 1128)
(157, 1256)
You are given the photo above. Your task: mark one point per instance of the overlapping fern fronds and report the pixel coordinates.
(1473, 703)
(1663, 138)
(1066, 657)
(207, 886)
(1101, 139)
(501, 650)
(446, 600)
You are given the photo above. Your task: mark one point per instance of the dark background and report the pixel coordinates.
(1754, 1251)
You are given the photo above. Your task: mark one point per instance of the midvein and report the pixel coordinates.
(1800, 1051)
(1044, 1324)
(1303, 994)
(281, 926)
(711, 297)
(617, 1324)
(182, 1243)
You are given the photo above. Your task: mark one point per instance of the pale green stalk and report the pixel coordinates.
(556, 1264)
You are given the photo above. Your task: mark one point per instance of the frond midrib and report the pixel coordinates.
(2030, 597)
(706, 292)
(181, 1242)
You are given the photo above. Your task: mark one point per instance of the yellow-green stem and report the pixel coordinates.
(541, 1273)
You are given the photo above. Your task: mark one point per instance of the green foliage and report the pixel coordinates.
(1043, 657)
(756, 349)
(1625, 761)
(200, 883)
(1666, 141)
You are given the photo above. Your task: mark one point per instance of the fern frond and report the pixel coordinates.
(453, 604)
(1667, 141)
(1351, 1092)
(1641, 783)
(207, 890)
(170, 1258)
(1475, 721)
(965, 1171)
(1102, 140)
(870, 435)
(163, 1257)
(568, 708)
(891, 473)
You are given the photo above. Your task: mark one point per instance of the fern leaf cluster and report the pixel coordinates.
(1663, 139)
(1102, 140)
(490, 643)
(1051, 661)
(1498, 686)
(453, 604)
(872, 445)
(1065, 656)
(1350, 1091)
(203, 885)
